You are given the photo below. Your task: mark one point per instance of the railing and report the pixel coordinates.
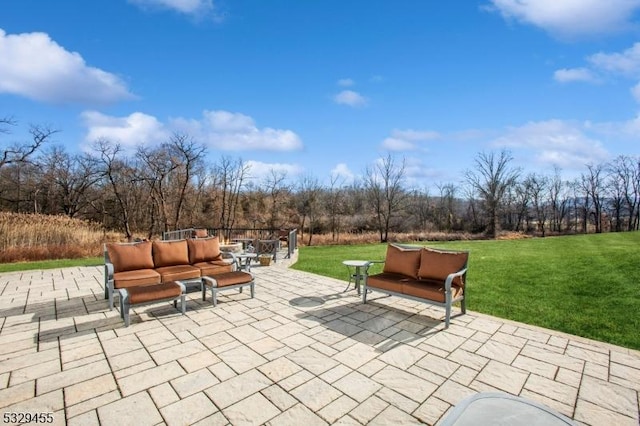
(274, 236)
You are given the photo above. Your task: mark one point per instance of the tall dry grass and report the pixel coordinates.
(348, 238)
(33, 237)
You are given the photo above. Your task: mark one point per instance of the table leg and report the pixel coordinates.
(358, 279)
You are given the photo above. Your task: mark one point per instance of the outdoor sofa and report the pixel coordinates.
(147, 264)
(423, 274)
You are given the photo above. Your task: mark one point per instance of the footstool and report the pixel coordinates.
(171, 290)
(227, 281)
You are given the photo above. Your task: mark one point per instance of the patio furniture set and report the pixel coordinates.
(152, 271)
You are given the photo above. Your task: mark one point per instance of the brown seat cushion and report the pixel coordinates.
(135, 278)
(170, 253)
(178, 272)
(130, 257)
(204, 250)
(431, 290)
(437, 265)
(149, 293)
(402, 261)
(214, 267)
(232, 278)
(387, 281)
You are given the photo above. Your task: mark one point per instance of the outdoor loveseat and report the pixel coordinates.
(424, 274)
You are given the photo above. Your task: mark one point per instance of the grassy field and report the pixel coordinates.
(586, 285)
(51, 264)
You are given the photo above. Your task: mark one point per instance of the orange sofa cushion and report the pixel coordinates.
(402, 261)
(204, 250)
(130, 257)
(214, 267)
(178, 272)
(387, 281)
(437, 265)
(150, 293)
(170, 253)
(138, 277)
(431, 290)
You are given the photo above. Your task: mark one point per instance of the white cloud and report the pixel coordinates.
(187, 7)
(221, 130)
(625, 63)
(570, 18)
(395, 144)
(350, 98)
(230, 131)
(567, 75)
(36, 67)
(343, 171)
(554, 143)
(635, 92)
(408, 140)
(130, 131)
(417, 174)
(346, 82)
(260, 171)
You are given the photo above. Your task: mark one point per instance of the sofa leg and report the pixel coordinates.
(463, 306)
(125, 306)
(364, 293)
(253, 289)
(447, 317)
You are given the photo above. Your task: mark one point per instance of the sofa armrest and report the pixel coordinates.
(234, 259)
(450, 277)
(108, 272)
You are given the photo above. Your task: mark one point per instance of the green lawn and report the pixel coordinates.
(586, 285)
(50, 264)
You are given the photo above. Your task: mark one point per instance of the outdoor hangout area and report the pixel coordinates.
(304, 349)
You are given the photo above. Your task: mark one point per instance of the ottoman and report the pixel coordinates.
(171, 290)
(227, 281)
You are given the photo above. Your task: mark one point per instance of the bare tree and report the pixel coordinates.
(121, 179)
(624, 180)
(70, 179)
(538, 187)
(559, 200)
(158, 164)
(19, 152)
(491, 179)
(276, 189)
(592, 183)
(189, 156)
(446, 206)
(335, 197)
(383, 187)
(231, 176)
(307, 202)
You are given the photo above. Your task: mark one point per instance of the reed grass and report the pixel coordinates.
(35, 237)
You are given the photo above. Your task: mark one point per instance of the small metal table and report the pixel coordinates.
(245, 260)
(357, 274)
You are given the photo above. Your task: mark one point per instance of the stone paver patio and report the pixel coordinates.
(301, 352)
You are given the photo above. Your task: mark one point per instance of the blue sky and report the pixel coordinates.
(329, 87)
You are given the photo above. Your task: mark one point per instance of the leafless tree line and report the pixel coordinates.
(174, 185)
